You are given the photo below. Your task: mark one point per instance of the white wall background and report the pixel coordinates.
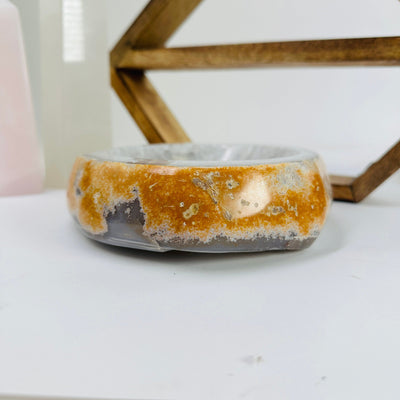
(343, 113)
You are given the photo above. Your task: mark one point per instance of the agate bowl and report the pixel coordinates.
(199, 197)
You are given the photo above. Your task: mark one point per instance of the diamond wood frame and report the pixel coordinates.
(142, 48)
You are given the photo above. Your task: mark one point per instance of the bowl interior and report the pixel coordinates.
(192, 154)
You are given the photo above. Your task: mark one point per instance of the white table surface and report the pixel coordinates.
(80, 318)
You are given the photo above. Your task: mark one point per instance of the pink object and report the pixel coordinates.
(21, 162)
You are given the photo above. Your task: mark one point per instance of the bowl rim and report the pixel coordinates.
(291, 154)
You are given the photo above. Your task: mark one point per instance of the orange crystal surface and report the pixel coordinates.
(203, 203)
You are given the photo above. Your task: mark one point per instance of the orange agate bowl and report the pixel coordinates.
(200, 197)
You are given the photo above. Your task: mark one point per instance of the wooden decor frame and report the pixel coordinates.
(142, 48)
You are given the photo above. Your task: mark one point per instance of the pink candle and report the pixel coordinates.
(21, 162)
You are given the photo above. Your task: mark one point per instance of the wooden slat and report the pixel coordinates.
(342, 187)
(377, 173)
(356, 189)
(336, 52)
(133, 108)
(147, 108)
(154, 26)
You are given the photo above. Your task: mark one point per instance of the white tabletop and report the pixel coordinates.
(80, 318)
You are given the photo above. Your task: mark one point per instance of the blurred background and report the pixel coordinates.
(349, 115)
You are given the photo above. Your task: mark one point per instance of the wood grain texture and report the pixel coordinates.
(337, 52)
(356, 189)
(377, 173)
(342, 187)
(147, 108)
(154, 26)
